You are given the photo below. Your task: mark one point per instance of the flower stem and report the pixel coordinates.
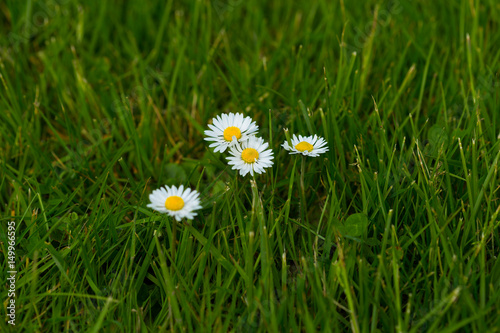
(303, 208)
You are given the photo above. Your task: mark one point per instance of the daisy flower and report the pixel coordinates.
(229, 129)
(176, 202)
(252, 156)
(306, 145)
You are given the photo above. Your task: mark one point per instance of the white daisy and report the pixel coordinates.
(252, 156)
(229, 129)
(306, 145)
(176, 202)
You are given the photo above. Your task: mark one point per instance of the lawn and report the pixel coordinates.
(394, 229)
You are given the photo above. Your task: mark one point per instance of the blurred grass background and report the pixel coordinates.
(104, 101)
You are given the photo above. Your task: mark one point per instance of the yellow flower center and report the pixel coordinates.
(303, 146)
(174, 203)
(230, 132)
(249, 155)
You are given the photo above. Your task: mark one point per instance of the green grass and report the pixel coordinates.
(394, 229)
